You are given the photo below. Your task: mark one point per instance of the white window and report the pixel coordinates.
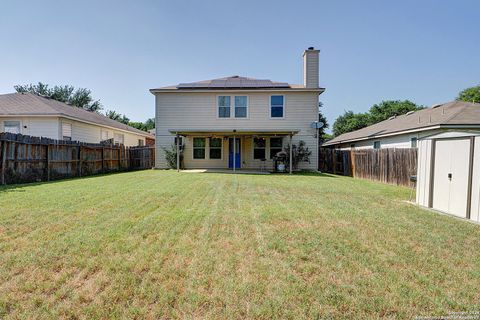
(118, 138)
(413, 142)
(376, 145)
(198, 148)
(104, 135)
(11, 126)
(241, 106)
(277, 104)
(240, 103)
(223, 106)
(215, 148)
(259, 148)
(66, 131)
(276, 145)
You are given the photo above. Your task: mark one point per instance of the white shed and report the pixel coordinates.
(448, 173)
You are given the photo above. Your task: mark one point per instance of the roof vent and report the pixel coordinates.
(436, 106)
(409, 113)
(392, 117)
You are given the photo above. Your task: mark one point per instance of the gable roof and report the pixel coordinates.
(233, 82)
(29, 104)
(455, 113)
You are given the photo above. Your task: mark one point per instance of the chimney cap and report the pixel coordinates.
(311, 48)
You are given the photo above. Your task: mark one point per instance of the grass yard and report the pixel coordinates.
(158, 244)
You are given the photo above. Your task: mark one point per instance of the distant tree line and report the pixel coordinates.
(350, 121)
(81, 98)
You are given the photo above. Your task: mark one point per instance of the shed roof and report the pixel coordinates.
(29, 104)
(453, 113)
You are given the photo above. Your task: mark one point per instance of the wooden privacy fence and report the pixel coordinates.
(394, 166)
(31, 159)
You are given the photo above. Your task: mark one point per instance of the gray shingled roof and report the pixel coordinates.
(29, 104)
(233, 82)
(449, 114)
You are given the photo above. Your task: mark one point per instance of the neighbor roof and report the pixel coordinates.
(455, 113)
(233, 82)
(29, 104)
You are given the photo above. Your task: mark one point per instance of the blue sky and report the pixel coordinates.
(424, 50)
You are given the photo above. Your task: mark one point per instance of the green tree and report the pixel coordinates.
(80, 98)
(386, 109)
(117, 116)
(350, 121)
(471, 94)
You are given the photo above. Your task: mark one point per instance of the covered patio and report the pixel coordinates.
(232, 150)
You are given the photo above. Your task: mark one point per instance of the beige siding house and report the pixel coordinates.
(33, 115)
(237, 121)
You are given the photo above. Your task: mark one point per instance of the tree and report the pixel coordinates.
(117, 116)
(471, 94)
(386, 109)
(322, 119)
(350, 121)
(80, 98)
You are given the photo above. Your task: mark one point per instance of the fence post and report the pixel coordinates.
(4, 160)
(352, 160)
(48, 162)
(79, 169)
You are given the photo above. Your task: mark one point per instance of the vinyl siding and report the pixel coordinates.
(39, 127)
(52, 128)
(199, 111)
(311, 65)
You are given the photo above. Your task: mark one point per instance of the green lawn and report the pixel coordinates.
(161, 244)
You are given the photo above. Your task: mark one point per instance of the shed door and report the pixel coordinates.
(450, 179)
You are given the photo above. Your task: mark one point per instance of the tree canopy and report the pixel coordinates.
(80, 98)
(471, 94)
(351, 121)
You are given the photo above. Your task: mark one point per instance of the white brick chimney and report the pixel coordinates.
(310, 68)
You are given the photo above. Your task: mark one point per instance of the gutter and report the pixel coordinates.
(319, 90)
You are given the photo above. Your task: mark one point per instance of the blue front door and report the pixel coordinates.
(237, 153)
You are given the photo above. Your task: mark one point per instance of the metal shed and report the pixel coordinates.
(448, 173)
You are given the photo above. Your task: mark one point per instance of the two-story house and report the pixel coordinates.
(238, 122)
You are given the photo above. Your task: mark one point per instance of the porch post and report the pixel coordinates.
(291, 152)
(234, 154)
(178, 152)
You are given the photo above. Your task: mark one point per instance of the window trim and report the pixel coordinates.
(115, 141)
(204, 148)
(71, 130)
(270, 106)
(218, 106)
(412, 139)
(270, 146)
(264, 149)
(19, 125)
(221, 148)
(232, 106)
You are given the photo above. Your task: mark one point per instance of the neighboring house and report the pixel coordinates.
(34, 115)
(404, 131)
(259, 115)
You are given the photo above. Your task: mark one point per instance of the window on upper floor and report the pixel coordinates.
(376, 145)
(11, 126)
(241, 106)
(223, 106)
(277, 104)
